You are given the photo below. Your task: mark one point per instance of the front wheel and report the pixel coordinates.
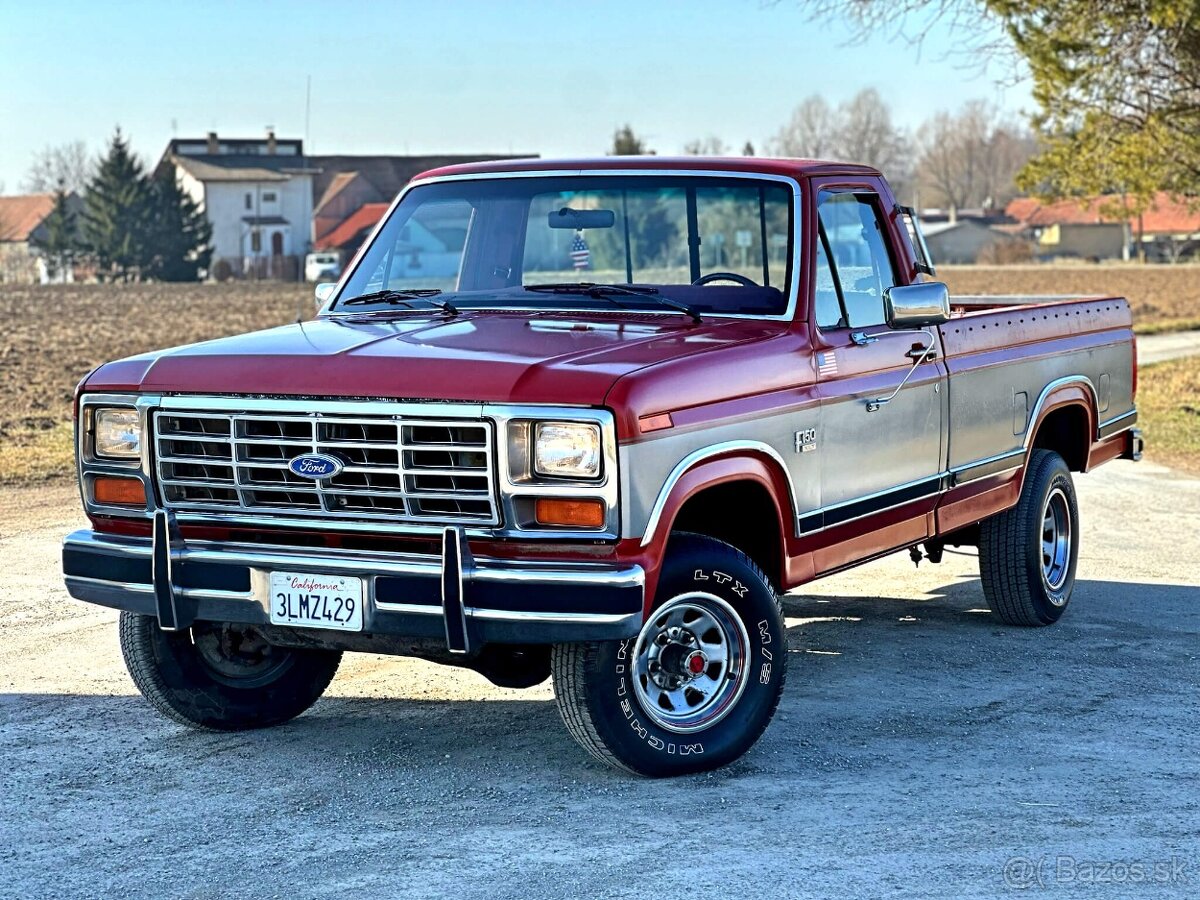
(221, 676)
(1027, 554)
(700, 682)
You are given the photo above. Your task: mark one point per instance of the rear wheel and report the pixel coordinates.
(222, 676)
(700, 682)
(1028, 554)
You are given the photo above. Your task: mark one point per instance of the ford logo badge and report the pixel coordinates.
(315, 466)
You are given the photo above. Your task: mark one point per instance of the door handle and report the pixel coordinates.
(922, 354)
(918, 354)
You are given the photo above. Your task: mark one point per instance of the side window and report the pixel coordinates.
(828, 303)
(862, 267)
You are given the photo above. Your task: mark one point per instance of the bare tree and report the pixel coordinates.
(860, 130)
(66, 166)
(867, 134)
(811, 133)
(709, 146)
(971, 158)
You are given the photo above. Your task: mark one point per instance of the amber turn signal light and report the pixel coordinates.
(582, 513)
(115, 491)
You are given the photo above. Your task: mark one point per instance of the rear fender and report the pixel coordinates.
(1075, 393)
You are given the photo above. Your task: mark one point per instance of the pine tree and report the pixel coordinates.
(116, 212)
(62, 234)
(179, 235)
(626, 143)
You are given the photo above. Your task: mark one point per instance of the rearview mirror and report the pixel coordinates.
(917, 305)
(577, 219)
(324, 291)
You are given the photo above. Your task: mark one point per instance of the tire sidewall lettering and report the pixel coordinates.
(761, 668)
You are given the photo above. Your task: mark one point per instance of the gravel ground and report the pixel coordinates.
(921, 750)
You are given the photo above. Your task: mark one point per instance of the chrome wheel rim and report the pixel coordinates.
(1056, 541)
(690, 662)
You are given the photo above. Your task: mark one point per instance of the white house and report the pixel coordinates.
(258, 196)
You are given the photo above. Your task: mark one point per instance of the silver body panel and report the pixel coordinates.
(955, 419)
(992, 407)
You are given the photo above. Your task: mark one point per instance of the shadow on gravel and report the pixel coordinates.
(942, 658)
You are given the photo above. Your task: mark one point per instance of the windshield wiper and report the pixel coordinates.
(402, 298)
(610, 291)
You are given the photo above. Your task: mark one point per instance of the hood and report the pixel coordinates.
(479, 356)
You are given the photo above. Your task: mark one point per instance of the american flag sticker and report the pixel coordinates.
(827, 364)
(581, 256)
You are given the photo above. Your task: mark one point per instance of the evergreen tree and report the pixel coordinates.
(626, 143)
(179, 234)
(116, 212)
(62, 234)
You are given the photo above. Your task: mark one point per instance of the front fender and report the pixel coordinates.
(752, 466)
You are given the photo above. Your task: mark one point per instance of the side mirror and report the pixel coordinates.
(917, 305)
(324, 291)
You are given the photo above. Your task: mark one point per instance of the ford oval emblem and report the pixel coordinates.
(315, 466)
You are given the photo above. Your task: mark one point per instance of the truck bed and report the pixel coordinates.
(1003, 355)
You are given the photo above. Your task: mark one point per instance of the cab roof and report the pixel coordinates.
(755, 165)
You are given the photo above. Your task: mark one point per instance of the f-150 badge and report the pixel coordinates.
(806, 440)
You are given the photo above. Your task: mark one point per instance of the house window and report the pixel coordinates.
(249, 201)
(268, 197)
(256, 242)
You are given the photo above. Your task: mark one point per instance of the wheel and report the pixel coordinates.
(220, 676)
(700, 682)
(1027, 554)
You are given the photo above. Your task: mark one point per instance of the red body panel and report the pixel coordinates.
(715, 372)
(479, 356)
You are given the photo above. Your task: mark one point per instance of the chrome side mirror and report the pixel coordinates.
(324, 291)
(917, 305)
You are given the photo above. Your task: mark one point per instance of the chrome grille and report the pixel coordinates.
(395, 468)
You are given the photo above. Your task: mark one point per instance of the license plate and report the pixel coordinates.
(304, 600)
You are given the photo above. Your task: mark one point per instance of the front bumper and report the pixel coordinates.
(467, 601)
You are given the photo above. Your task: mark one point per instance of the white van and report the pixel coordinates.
(323, 266)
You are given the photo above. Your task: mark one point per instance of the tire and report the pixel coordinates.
(689, 701)
(1028, 554)
(220, 677)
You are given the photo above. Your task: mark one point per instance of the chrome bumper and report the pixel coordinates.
(468, 601)
(1136, 445)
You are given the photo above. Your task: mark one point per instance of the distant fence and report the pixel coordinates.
(257, 268)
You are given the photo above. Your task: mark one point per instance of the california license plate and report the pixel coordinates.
(304, 600)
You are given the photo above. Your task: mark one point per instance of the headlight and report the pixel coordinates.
(117, 434)
(567, 450)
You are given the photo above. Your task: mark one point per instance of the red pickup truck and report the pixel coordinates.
(590, 418)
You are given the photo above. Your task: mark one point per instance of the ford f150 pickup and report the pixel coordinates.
(590, 419)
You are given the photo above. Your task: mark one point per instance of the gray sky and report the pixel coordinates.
(468, 77)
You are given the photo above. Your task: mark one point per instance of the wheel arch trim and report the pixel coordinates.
(745, 450)
(1061, 393)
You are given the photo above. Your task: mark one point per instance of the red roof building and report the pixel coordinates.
(1098, 226)
(350, 234)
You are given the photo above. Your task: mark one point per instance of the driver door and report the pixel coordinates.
(881, 465)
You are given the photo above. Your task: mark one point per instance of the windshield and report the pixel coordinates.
(484, 243)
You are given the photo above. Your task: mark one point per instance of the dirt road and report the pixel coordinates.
(921, 750)
(1153, 348)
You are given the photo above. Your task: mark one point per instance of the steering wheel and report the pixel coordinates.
(724, 276)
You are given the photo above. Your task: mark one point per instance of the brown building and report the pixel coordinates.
(351, 193)
(22, 226)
